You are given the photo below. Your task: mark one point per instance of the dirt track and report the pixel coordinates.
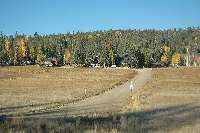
(110, 102)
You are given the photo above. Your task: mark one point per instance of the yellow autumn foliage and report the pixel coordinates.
(176, 58)
(166, 49)
(165, 56)
(22, 46)
(7, 45)
(67, 56)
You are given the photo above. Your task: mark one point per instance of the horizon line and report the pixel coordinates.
(73, 32)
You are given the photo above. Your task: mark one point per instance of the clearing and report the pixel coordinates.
(112, 101)
(164, 100)
(32, 89)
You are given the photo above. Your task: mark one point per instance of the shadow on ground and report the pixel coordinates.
(159, 119)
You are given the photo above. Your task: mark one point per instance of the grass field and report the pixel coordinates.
(170, 102)
(34, 89)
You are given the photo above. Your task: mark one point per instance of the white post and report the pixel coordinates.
(131, 86)
(85, 91)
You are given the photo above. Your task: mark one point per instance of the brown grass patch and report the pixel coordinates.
(31, 88)
(177, 89)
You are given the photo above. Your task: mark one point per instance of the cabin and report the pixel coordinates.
(48, 62)
(157, 65)
(95, 62)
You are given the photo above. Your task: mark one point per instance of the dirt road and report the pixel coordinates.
(111, 101)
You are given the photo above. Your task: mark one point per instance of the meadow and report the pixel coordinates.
(34, 89)
(169, 102)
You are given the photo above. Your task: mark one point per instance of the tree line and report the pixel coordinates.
(133, 48)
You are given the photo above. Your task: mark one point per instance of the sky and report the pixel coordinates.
(61, 16)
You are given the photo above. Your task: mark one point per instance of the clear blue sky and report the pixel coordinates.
(60, 16)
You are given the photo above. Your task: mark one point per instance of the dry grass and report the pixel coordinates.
(32, 89)
(167, 103)
(171, 101)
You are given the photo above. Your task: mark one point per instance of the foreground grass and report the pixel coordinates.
(35, 89)
(171, 99)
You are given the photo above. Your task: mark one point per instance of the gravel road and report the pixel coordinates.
(110, 101)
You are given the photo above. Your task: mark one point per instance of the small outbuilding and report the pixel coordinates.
(48, 62)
